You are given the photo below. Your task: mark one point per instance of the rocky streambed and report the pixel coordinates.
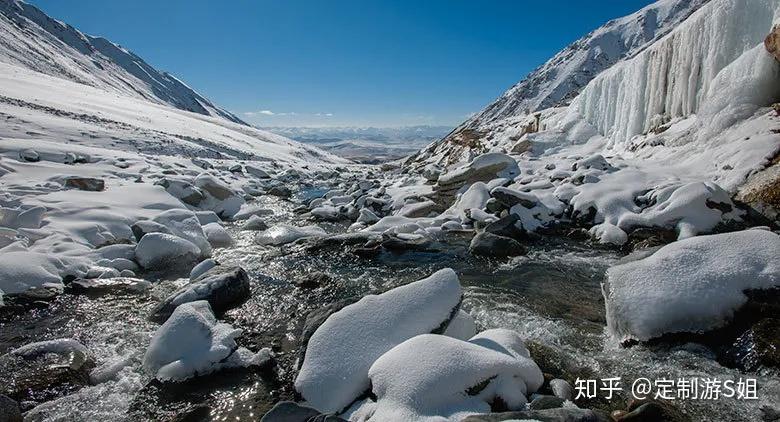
(551, 296)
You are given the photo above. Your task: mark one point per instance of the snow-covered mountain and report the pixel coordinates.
(31, 39)
(560, 79)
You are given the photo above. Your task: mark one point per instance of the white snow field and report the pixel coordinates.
(150, 158)
(693, 285)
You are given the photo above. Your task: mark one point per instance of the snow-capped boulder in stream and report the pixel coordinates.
(692, 285)
(433, 376)
(339, 354)
(192, 343)
(160, 251)
(224, 287)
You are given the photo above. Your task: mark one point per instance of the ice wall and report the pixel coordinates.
(674, 76)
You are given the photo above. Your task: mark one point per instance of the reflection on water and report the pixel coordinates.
(552, 296)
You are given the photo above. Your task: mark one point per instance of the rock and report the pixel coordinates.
(521, 147)
(494, 206)
(419, 209)
(772, 42)
(367, 216)
(224, 287)
(140, 228)
(256, 172)
(160, 251)
(652, 411)
(235, 168)
(509, 226)
(213, 186)
(406, 242)
(561, 388)
(182, 190)
(217, 236)
(488, 244)
(186, 225)
(758, 346)
(313, 280)
(202, 267)
(280, 191)
(547, 415)
(510, 197)
(29, 155)
(315, 318)
(287, 411)
(254, 223)
(9, 410)
(431, 172)
(206, 217)
(542, 402)
(85, 183)
(43, 371)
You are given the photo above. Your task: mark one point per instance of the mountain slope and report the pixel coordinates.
(560, 79)
(31, 39)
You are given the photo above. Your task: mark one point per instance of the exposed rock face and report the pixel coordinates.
(85, 183)
(761, 191)
(489, 244)
(772, 42)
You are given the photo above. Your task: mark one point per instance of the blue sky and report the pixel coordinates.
(344, 62)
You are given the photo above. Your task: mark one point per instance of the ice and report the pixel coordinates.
(691, 285)
(191, 343)
(434, 378)
(282, 234)
(338, 356)
(58, 346)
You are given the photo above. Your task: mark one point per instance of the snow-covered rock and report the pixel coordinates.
(22, 270)
(462, 326)
(430, 377)
(192, 343)
(223, 287)
(339, 354)
(282, 234)
(160, 251)
(185, 224)
(691, 285)
(217, 236)
(219, 197)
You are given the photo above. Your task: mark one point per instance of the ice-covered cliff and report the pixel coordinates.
(31, 39)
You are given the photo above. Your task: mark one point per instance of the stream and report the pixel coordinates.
(552, 297)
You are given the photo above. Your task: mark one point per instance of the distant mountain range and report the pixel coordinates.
(366, 144)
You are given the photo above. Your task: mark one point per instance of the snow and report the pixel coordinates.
(57, 346)
(22, 270)
(691, 285)
(191, 343)
(674, 76)
(283, 234)
(339, 354)
(432, 377)
(462, 326)
(159, 251)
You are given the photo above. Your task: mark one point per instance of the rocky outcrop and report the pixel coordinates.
(772, 42)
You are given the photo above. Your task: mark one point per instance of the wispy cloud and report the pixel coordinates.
(261, 113)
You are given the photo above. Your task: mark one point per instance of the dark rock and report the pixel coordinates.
(288, 411)
(509, 197)
(9, 410)
(313, 280)
(493, 205)
(547, 415)
(646, 237)
(223, 286)
(489, 244)
(182, 190)
(508, 226)
(85, 183)
(561, 388)
(401, 243)
(758, 346)
(280, 191)
(546, 402)
(652, 411)
(29, 155)
(368, 251)
(40, 377)
(142, 227)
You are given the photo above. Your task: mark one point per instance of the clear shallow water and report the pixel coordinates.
(551, 296)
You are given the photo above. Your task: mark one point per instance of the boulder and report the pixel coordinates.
(85, 183)
(182, 190)
(224, 287)
(547, 415)
(508, 226)
(542, 402)
(10, 411)
(254, 223)
(29, 155)
(489, 244)
(160, 251)
(217, 236)
(142, 227)
(280, 191)
(510, 197)
(287, 411)
(772, 42)
(45, 370)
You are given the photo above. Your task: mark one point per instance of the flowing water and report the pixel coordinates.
(551, 296)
